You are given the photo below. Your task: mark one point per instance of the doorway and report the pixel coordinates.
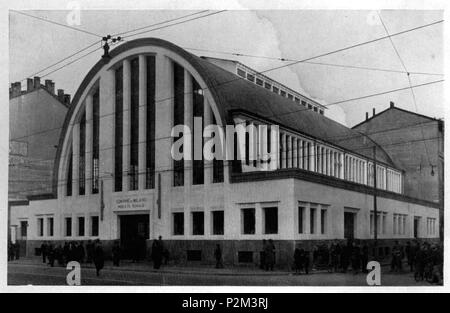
(134, 231)
(349, 225)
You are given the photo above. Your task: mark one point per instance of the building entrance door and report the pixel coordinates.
(349, 225)
(134, 231)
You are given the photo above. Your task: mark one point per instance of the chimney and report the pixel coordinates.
(392, 104)
(16, 89)
(37, 82)
(61, 95)
(66, 99)
(373, 112)
(30, 85)
(50, 86)
(367, 116)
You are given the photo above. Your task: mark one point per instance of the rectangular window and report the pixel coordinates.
(321, 112)
(301, 211)
(267, 86)
(94, 226)
(270, 220)
(118, 139)
(134, 131)
(241, 72)
(40, 227)
(81, 226)
(312, 220)
(218, 218)
(82, 156)
(275, 89)
(290, 97)
(150, 131)
(50, 226)
(251, 77)
(323, 221)
(95, 140)
(68, 223)
(198, 223)
(198, 111)
(297, 100)
(248, 221)
(309, 106)
(178, 119)
(304, 103)
(283, 93)
(259, 81)
(178, 223)
(315, 109)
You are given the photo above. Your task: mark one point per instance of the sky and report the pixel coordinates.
(292, 34)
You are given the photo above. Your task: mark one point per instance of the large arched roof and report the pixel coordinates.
(231, 94)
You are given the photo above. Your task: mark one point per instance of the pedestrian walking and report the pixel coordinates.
(51, 255)
(269, 255)
(262, 264)
(116, 253)
(44, 252)
(364, 258)
(157, 252)
(89, 251)
(410, 252)
(99, 257)
(17, 250)
(298, 260)
(218, 256)
(10, 251)
(396, 258)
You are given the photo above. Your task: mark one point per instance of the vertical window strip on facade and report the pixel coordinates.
(95, 141)
(82, 156)
(198, 111)
(150, 131)
(134, 125)
(217, 164)
(69, 174)
(118, 153)
(178, 119)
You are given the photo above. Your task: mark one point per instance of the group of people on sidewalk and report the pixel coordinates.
(73, 251)
(333, 257)
(425, 260)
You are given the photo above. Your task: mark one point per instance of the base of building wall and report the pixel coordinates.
(242, 253)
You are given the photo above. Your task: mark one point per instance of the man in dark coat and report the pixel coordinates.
(218, 256)
(157, 252)
(410, 254)
(364, 258)
(51, 255)
(99, 257)
(17, 250)
(44, 252)
(80, 252)
(298, 260)
(89, 251)
(270, 255)
(263, 254)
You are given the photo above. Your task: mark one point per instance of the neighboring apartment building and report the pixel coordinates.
(36, 115)
(415, 144)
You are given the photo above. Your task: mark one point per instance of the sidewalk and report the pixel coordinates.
(145, 266)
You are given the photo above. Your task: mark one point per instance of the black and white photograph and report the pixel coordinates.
(216, 145)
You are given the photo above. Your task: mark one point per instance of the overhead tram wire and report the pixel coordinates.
(174, 24)
(170, 169)
(59, 24)
(409, 81)
(328, 53)
(281, 59)
(159, 23)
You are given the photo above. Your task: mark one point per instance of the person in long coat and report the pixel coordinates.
(44, 252)
(270, 255)
(157, 252)
(116, 253)
(99, 257)
(298, 260)
(218, 256)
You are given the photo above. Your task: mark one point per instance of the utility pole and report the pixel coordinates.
(375, 209)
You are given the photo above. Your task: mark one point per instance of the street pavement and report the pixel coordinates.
(33, 272)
